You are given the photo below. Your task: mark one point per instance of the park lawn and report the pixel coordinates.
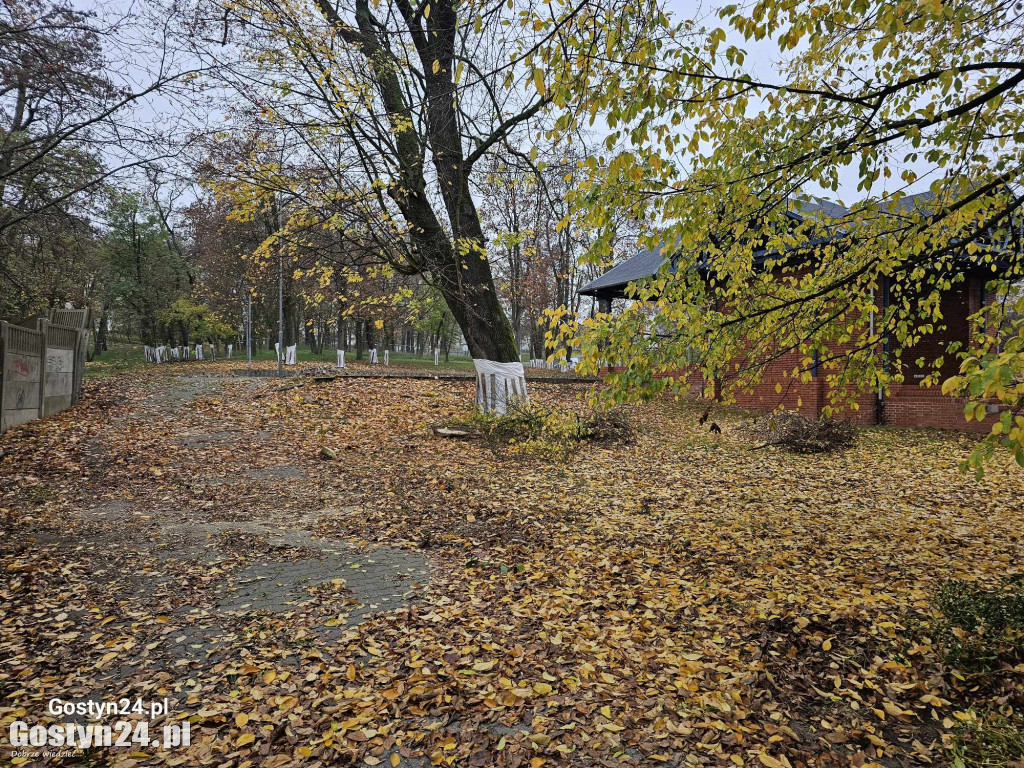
(681, 599)
(119, 358)
(123, 356)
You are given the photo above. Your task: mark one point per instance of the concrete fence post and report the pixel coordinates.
(3, 343)
(42, 368)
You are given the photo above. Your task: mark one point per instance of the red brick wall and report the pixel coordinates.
(795, 395)
(912, 406)
(906, 405)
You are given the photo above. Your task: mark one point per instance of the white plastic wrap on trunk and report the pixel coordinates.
(199, 351)
(387, 357)
(176, 353)
(499, 384)
(341, 358)
(290, 356)
(373, 355)
(437, 357)
(231, 348)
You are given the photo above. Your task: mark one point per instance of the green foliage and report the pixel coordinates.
(908, 96)
(201, 322)
(992, 373)
(145, 275)
(547, 432)
(980, 627)
(994, 741)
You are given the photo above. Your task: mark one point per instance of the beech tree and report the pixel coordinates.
(902, 96)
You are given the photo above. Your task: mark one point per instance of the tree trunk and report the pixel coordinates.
(368, 329)
(462, 275)
(101, 335)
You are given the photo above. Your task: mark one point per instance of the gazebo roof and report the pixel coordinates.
(612, 284)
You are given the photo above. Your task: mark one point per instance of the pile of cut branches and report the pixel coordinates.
(801, 434)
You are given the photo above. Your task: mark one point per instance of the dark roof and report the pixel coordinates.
(815, 205)
(613, 282)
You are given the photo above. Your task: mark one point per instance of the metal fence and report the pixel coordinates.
(41, 370)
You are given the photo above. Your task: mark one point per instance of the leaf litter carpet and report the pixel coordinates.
(681, 600)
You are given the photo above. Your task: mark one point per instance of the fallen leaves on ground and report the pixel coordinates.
(681, 600)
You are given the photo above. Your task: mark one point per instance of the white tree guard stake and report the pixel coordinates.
(289, 355)
(199, 351)
(498, 385)
(341, 358)
(230, 349)
(387, 357)
(373, 355)
(437, 357)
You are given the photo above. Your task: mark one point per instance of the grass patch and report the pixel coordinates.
(117, 359)
(995, 742)
(980, 628)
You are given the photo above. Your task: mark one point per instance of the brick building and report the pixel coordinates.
(905, 405)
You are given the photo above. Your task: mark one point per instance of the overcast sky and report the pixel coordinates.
(170, 117)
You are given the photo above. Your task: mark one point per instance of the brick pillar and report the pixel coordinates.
(974, 287)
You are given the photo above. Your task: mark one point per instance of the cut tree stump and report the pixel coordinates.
(455, 432)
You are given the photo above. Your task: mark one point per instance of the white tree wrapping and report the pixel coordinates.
(498, 385)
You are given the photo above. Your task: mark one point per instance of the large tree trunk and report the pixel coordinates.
(463, 275)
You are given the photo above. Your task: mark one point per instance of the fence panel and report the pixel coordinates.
(21, 350)
(61, 343)
(70, 318)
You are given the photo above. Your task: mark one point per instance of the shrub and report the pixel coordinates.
(969, 607)
(801, 434)
(547, 432)
(995, 741)
(979, 627)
